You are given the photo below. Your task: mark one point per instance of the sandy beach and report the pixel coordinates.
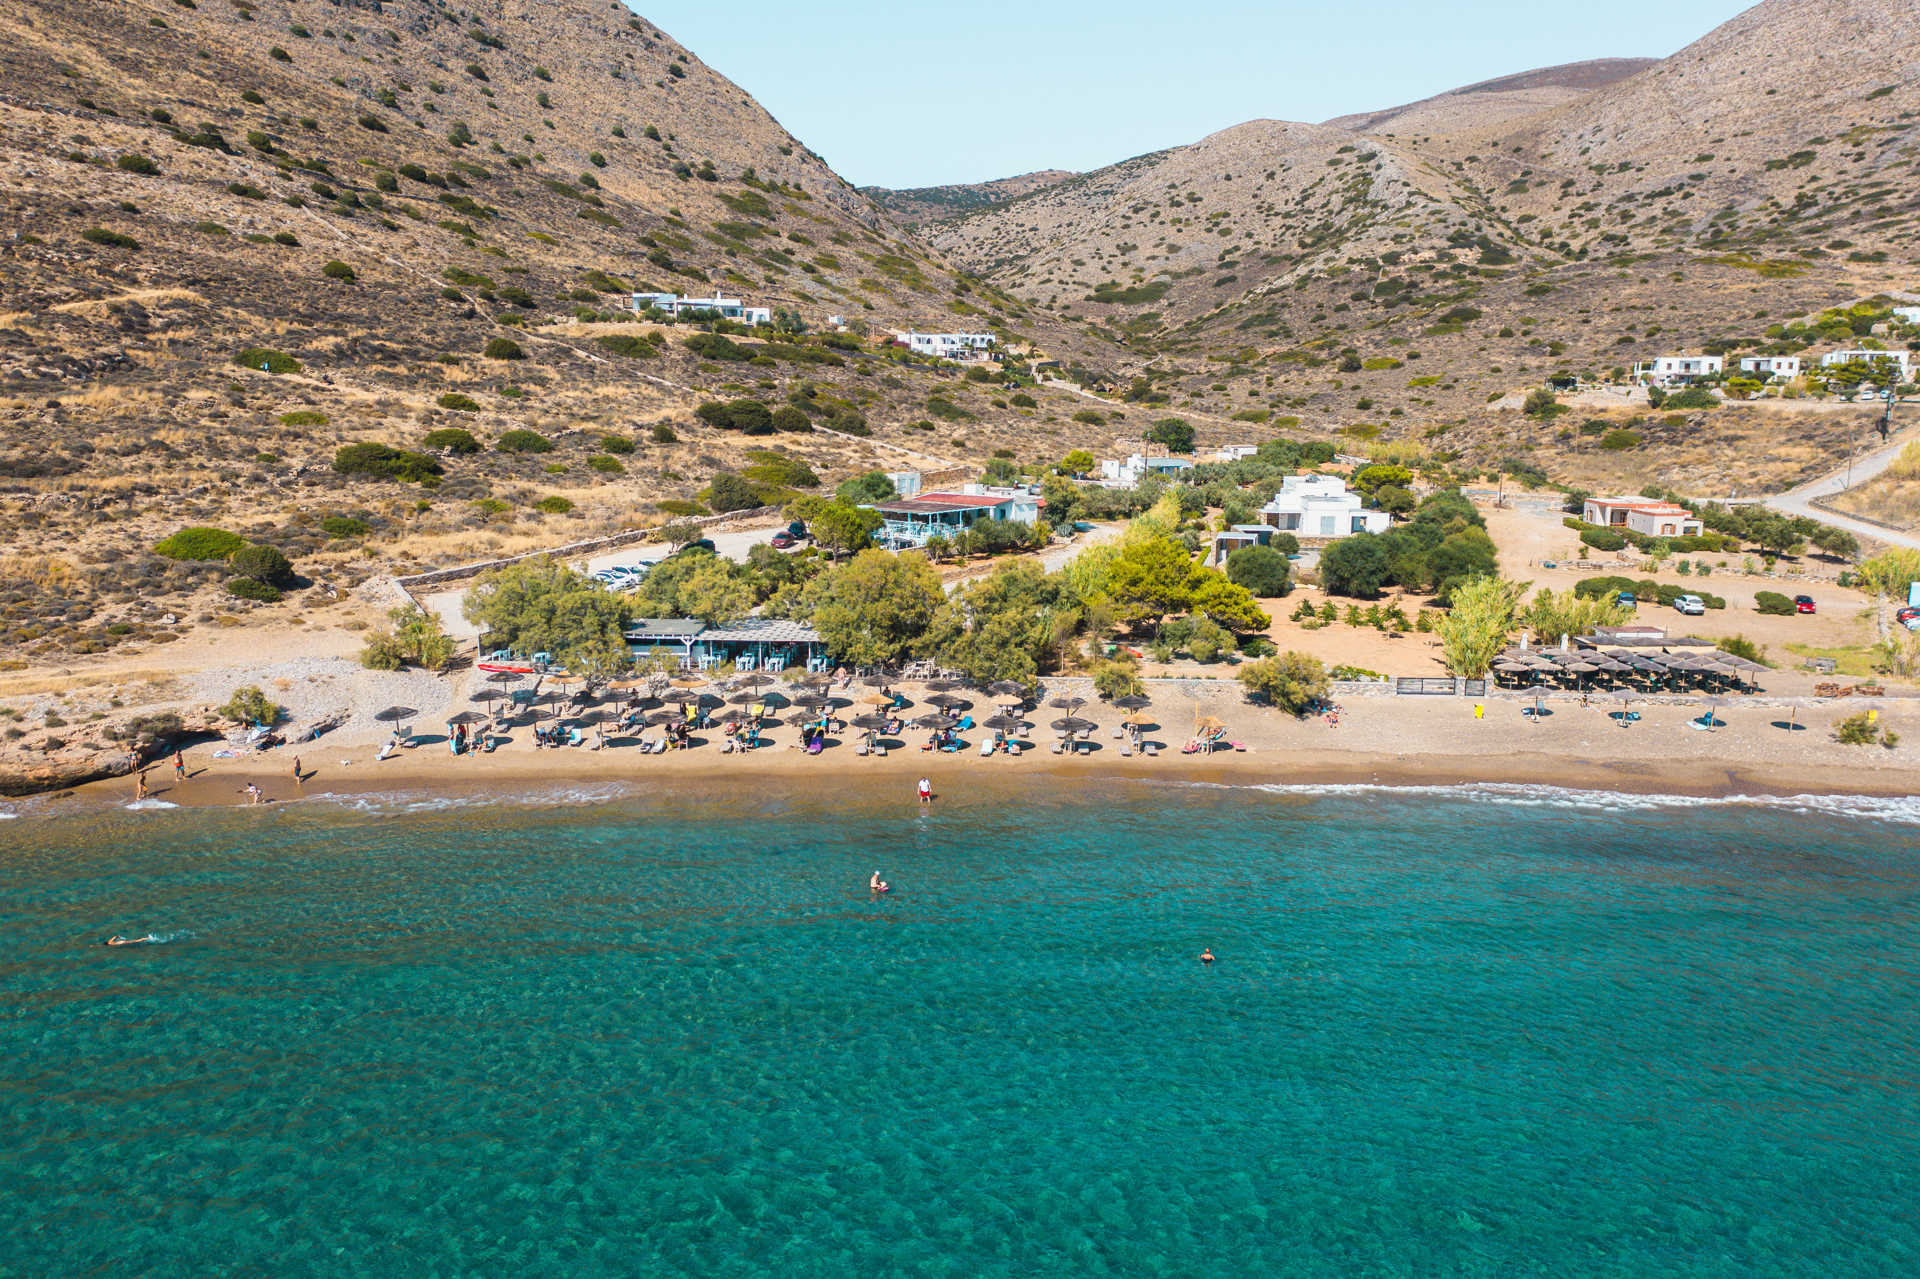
(1373, 739)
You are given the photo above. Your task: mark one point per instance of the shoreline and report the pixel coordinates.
(572, 776)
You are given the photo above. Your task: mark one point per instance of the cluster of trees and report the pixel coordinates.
(260, 572)
(1442, 546)
(412, 634)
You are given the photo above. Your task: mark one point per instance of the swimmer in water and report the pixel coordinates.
(878, 884)
(1206, 955)
(118, 940)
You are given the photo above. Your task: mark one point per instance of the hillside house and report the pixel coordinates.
(1907, 314)
(1227, 541)
(1234, 453)
(675, 305)
(951, 346)
(1679, 370)
(905, 483)
(1320, 506)
(1128, 474)
(908, 522)
(1904, 359)
(1642, 515)
(1771, 368)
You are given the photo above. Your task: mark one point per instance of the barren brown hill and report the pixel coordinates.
(1414, 279)
(939, 204)
(1504, 98)
(241, 236)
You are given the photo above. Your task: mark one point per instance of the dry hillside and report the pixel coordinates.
(943, 203)
(1563, 221)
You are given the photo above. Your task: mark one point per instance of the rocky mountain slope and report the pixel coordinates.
(241, 235)
(1761, 173)
(942, 203)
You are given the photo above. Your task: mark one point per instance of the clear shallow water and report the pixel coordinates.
(1487, 1035)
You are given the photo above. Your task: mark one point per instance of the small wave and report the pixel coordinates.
(7, 817)
(149, 805)
(1903, 809)
(408, 802)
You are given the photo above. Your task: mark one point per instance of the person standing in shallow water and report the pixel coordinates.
(1206, 955)
(926, 790)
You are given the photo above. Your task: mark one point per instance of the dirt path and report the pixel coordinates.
(1800, 501)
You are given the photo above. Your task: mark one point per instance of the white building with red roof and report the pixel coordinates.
(1643, 515)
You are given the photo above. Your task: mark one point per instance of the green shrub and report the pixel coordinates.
(383, 461)
(503, 349)
(750, 417)
(716, 346)
(1090, 417)
(521, 440)
(553, 504)
(1692, 397)
(252, 588)
(200, 543)
(606, 465)
(616, 444)
(1603, 539)
(1772, 603)
(249, 705)
(266, 361)
(338, 270)
(789, 418)
(1021, 400)
(137, 163)
(303, 417)
(1262, 570)
(663, 433)
(457, 440)
(1855, 730)
(344, 526)
(458, 402)
(112, 239)
(263, 564)
(627, 344)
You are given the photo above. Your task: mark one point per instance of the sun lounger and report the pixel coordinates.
(1059, 747)
(1150, 749)
(986, 748)
(879, 750)
(1126, 750)
(859, 748)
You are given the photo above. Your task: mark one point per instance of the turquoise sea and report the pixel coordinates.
(1485, 1032)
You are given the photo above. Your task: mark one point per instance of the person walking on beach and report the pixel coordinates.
(254, 794)
(299, 777)
(926, 790)
(140, 786)
(179, 767)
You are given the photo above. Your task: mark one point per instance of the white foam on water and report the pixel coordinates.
(1902, 809)
(148, 805)
(409, 802)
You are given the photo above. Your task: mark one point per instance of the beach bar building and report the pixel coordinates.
(909, 522)
(750, 644)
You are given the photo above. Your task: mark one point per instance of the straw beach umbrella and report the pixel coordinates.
(1133, 702)
(396, 715)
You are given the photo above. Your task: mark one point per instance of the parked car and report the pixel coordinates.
(1691, 605)
(1909, 617)
(698, 544)
(783, 541)
(1803, 603)
(797, 530)
(1625, 600)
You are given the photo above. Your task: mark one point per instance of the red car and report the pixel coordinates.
(1803, 603)
(783, 540)
(1909, 617)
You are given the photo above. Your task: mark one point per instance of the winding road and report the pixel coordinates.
(1799, 501)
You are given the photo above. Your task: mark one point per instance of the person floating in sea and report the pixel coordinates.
(926, 790)
(1206, 955)
(878, 884)
(118, 940)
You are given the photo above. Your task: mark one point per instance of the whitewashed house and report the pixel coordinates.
(1235, 453)
(905, 483)
(1128, 474)
(675, 305)
(1642, 515)
(1902, 358)
(1779, 368)
(1321, 506)
(951, 346)
(1907, 314)
(1679, 370)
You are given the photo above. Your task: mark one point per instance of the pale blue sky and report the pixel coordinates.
(903, 95)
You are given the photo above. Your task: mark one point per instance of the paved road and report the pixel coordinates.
(1799, 501)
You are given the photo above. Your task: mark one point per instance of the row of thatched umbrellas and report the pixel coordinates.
(813, 699)
(1622, 666)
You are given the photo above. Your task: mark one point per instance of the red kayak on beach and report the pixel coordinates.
(503, 668)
